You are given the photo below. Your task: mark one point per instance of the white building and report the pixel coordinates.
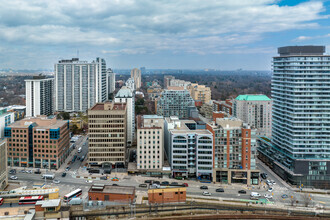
(189, 150)
(150, 142)
(39, 96)
(136, 75)
(79, 84)
(126, 95)
(256, 110)
(130, 84)
(111, 81)
(6, 118)
(3, 165)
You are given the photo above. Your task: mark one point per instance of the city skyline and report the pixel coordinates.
(202, 34)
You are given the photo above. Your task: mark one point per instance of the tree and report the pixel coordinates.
(306, 199)
(65, 115)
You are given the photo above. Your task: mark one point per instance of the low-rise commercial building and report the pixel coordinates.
(167, 195)
(107, 134)
(189, 150)
(150, 142)
(234, 147)
(41, 142)
(3, 165)
(112, 193)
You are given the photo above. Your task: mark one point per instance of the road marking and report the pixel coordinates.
(321, 202)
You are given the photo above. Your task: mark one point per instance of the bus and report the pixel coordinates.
(79, 149)
(72, 194)
(48, 176)
(1, 201)
(29, 200)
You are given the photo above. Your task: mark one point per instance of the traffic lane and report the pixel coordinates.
(271, 176)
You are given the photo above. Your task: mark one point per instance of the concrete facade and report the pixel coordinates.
(200, 92)
(107, 134)
(6, 118)
(3, 165)
(136, 75)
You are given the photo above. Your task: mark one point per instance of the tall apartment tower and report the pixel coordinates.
(150, 142)
(200, 92)
(107, 134)
(136, 75)
(40, 142)
(79, 84)
(299, 150)
(234, 151)
(175, 102)
(39, 93)
(126, 95)
(3, 165)
(256, 110)
(111, 81)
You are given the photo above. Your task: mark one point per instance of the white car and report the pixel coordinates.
(270, 189)
(267, 196)
(89, 181)
(13, 178)
(56, 181)
(273, 182)
(205, 193)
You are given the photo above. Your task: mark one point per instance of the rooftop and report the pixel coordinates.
(301, 50)
(247, 97)
(129, 190)
(108, 106)
(49, 203)
(40, 122)
(124, 92)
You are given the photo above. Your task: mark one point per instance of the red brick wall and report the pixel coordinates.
(167, 197)
(112, 197)
(216, 115)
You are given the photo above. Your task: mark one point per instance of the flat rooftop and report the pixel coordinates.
(101, 188)
(42, 122)
(108, 106)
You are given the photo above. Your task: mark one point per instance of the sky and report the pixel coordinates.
(173, 34)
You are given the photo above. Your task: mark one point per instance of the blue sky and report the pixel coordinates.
(185, 34)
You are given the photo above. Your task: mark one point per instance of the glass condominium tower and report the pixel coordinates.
(300, 145)
(79, 84)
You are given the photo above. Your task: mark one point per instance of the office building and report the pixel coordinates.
(234, 151)
(256, 110)
(150, 142)
(125, 95)
(136, 75)
(39, 93)
(299, 150)
(3, 165)
(6, 118)
(40, 142)
(174, 101)
(79, 84)
(200, 93)
(189, 150)
(111, 81)
(107, 134)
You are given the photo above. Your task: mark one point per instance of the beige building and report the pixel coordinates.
(3, 165)
(200, 92)
(107, 134)
(150, 142)
(40, 142)
(136, 75)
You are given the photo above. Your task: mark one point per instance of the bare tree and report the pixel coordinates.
(306, 199)
(293, 200)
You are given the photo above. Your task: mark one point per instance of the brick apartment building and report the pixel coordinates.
(107, 134)
(40, 142)
(234, 147)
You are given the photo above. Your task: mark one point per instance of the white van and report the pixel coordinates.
(255, 194)
(79, 150)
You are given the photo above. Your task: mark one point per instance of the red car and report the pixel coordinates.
(185, 184)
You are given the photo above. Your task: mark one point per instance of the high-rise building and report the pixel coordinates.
(167, 80)
(111, 81)
(3, 165)
(150, 142)
(136, 75)
(130, 84)
(256, 110)
(79, 84)
(235, 151)
(125, 95)
(223, 106)
(175, 102)
(41, 142)
(189, 150)
(107, 134)
(299, 150)
(6, 118)
(39, 93)
(200, 92)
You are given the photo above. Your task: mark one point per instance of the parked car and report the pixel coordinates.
(267, 196)
(174, 184)
(242, 192)
(165, 183)
(12, 171)
(22, 171)
(206, 193)
(156, 182)
(148, 181)
(185, 184)
(37, 171)
(56, 181)
(220, 190)
(29, 171)
(143, 185)
(270, 189)
(115, 179)
(103, 178)
(204, 187)
(263, 175)
(13, 178)
(115, 184)
(67, 169)
(284, 196)
(64, 174)
(89, 181)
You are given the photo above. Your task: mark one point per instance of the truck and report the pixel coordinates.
(48, 176)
